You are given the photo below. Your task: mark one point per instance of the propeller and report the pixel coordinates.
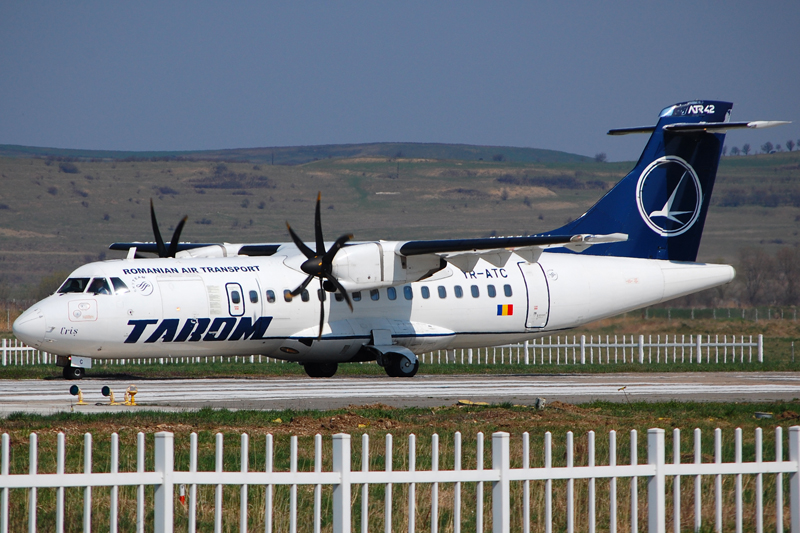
(319, 264)
(163, 251)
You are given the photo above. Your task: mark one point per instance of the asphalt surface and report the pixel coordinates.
(50, 396)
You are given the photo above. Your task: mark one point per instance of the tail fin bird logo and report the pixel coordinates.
(669, 196)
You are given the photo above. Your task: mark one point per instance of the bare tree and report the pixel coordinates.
(734, 151)
(787, 265)
(724, 149)
(767, 147)
(600, 157)
(790, 145)
(746, 148)
(755, 268)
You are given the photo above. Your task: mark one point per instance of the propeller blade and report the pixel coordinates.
(173, 245)
(321, 310)
(302, 286)
(162, 250)
(318, 228)
(340, 289)
(328, 257)
(308, 252)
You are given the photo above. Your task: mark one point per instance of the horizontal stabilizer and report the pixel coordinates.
(689, 127)
(682, 127)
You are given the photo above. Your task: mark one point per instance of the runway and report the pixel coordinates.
(50, 396)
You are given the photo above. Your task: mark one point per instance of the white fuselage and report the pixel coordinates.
(188, 307)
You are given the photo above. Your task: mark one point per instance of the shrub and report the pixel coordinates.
(68, 168)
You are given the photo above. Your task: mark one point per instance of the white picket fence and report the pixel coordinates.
(607, 349)
(16, 353)
(550, 350)
(345, 480)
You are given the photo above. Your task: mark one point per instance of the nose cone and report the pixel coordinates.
(30, 327)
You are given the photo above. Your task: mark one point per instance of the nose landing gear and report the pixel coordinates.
(73, 372)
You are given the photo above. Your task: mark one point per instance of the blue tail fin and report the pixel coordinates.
(662, 203)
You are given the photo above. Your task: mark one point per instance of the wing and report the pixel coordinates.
(465, 253)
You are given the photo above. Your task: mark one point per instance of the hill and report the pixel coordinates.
(56, 215)
(297, 155)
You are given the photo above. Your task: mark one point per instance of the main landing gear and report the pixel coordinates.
(397, 366)
(73, 372)
(321, 370)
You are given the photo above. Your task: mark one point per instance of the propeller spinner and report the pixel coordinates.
(319, 264)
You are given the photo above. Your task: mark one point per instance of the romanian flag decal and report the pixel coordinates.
(505, 310)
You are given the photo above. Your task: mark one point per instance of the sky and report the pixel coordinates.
(209, 75)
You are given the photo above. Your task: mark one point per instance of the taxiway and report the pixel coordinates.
(50, 396)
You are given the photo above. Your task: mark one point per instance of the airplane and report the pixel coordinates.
(388, 301)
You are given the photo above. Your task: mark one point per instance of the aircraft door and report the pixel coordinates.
(183, 298)
(235, 299)
(538, 295)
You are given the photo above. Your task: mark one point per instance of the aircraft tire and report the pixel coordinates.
(320, 370)
(73, 372)
(401, 368)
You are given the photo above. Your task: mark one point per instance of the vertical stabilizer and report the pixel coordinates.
(662, 203)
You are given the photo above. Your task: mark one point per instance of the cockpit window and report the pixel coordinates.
(74, 285)
(99, 286)
(119, 286)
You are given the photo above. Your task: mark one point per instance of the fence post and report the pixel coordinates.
(164, 464)
(699, 348)
(583, 349)
(341, 491)
(656, 492)
(5, 351)
(501, 495)
(641, 349)
(760, 348)
(794, 479)
(527, 360)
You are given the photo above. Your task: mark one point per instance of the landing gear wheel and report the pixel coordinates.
(320, 370)
(400, 367)
(73, 372)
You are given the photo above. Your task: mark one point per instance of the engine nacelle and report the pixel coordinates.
(214, 250)
(372, 265)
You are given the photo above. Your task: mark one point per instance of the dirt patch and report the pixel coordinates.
(23, 234)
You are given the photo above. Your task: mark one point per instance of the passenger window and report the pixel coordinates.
(357, 296)
(99, 286)
(442, 292)
(253, 297)
(271, 296)
(374, 295)
(391, 292)
(408, 292)
(458, 291)
(235, 297)
(491, 291)
(287, 295)
(507, 290)
(304, 295)
(321, 295)
(119, 286)
(338, 296)
(426, 293)
(74, 285)
(476, 292)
